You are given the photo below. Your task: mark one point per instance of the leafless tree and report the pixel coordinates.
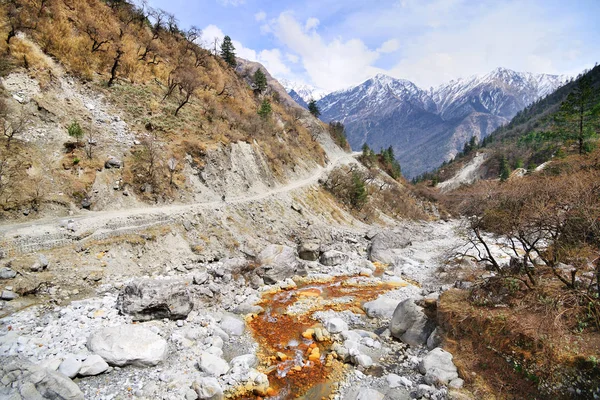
(189, 82)
(172, 165)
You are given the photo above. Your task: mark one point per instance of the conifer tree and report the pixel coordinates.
(260, 80)
(576, 111)
(265, 109)
(228, 51)
(313, 108)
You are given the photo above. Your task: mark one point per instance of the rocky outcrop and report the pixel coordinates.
(309, 250)
(24, 380)
(383, 245)
(381, 307)
(410, 324)
(128, 345)
(333, 257)
(438, 368)
(278, 263)
(149, 299)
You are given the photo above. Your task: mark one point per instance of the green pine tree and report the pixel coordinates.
(75, 131)
(576, 112)
(265, 109)
(359, 193)
(313, 108)
(228, 51)
(260, 80)
(504, 169)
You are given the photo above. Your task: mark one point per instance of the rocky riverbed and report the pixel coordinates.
(345, 320)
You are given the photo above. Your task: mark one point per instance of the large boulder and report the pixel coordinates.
(113, 162)
(309, 250)
(410, 324)
(7, 273)
(208, 388)
(438, 368)
(24, 380)
(384, 244)
(128, 345)
(333, 257)
(278, 263)
(148, 299)
(212, 365)
(382, 307)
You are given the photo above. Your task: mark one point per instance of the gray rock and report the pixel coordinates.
(93, 365)
(212, 365)
(149, 299)
(369, 394)
(246, 308)
(381, 307)
(24, 380)
(384, 243)
(333, 257)
(277, 263)
(438, 368)
(208, 388)
(456, 383)
(410, 324)
(190, 394)
(309, 250)
(86, 203)
(425, 391)
(363, 360)
(233, 326)
(128, 345)
(395, 381)
(43, 260)
(113, 162)
(200, 278)
(335, 325)
(244, 362)
(8, 295)
(434, 340)
(70, 367)
(7, 273)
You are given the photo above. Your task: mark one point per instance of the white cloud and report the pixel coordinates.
(389, 46)
(271, 59)
(233, 3)
(292, 58)
(331, 65)
(311, 23)
(260, 16)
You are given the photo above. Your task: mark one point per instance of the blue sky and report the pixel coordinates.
(333, 44)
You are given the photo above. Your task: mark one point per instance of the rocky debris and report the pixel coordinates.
(369, 394)
(333, 257)
(233, 326)
(383, 245)
(24, 380)
(382, 307)
(41, 264)
(336, 325)
(434, 340)
(278, 263)
(208, 388)
(8, 295)
(113, 162)
(410, 324)
(245, 361)
(212, 365)
(93, 365)
(7, 273)
(395, 381)
(309, 250)
(128, 345)
(438, 368)
(149, 299)
(70, 366)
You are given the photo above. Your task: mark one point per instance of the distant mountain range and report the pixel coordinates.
(301, 92)
(427, 127)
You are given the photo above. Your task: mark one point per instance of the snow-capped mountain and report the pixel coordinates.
(426, 127)
(304, 91)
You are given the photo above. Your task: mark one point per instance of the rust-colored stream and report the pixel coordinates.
(296, 363)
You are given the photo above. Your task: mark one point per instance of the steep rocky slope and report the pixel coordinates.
(427, 127)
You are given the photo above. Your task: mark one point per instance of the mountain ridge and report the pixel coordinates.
(427, 127)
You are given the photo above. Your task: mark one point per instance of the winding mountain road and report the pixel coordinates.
(47, 232)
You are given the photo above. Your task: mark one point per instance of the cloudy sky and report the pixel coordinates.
(333, 44)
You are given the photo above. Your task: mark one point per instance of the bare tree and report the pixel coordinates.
(172, 165)
(189, 82)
